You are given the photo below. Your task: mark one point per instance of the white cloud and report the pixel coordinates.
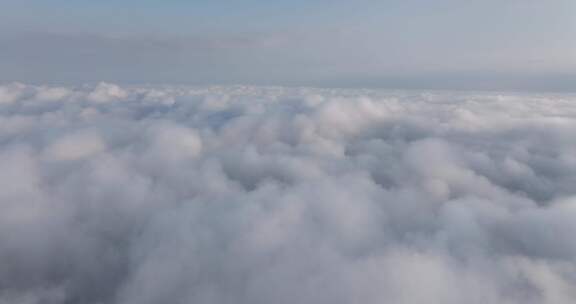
(75, 146)
(172, 194)
(105, 92)
(12, 92)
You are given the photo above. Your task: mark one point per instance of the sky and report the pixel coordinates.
(126, 179)
(446, 44)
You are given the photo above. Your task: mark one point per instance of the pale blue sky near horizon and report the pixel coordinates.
(515, 44)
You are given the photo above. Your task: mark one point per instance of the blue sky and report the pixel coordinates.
(515, 44)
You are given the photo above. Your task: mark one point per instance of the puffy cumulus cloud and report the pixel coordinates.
(75, 146)
(12, 92)
(172, 194)
(106, 92)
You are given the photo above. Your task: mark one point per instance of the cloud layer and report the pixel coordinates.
(172, 194)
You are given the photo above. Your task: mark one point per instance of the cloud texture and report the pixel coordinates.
(239, 195)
